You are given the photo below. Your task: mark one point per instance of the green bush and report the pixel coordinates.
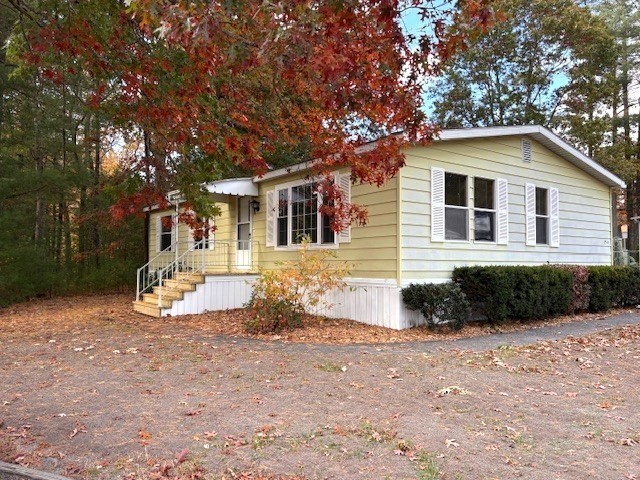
(613, 287)
(441, 304)
(501, 292)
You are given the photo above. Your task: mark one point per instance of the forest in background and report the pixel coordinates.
(77, 164)
(59, 177)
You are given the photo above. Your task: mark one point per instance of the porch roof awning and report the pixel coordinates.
(234, 186)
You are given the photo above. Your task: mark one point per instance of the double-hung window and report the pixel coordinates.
(299, 217)
(542, 215)
(164, 233)
(451, 205)
(484, 211)
(456, 211)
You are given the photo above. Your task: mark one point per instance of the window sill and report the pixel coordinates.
(312, 246)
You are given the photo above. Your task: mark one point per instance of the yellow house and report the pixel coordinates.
(482, 196)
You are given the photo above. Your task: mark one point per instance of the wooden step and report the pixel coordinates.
(153, 298)
(180, 285)
(167, 292)
(146, 308)
(189, 277)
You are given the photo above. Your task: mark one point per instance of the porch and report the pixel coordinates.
(165, 283)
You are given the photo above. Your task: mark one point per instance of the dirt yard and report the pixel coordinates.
(91, 390)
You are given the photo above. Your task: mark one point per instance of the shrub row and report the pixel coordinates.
(501, 292)
(613, 287)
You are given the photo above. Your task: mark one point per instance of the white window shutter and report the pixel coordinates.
(344, 184)
(554, 218)
(437, 205)
(502, 229)
(530, 212)
(158, 233)
(271, 218)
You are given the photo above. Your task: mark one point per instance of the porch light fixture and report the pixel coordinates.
(255, 205)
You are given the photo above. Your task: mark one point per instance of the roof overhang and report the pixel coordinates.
(541, 134)
(546, 138)
(233, 186)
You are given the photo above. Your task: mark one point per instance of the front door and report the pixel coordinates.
(243, 256)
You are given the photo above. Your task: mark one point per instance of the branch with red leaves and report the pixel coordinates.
(222, 83)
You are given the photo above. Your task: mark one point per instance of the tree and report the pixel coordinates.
(523, 71)
(621, 151)
(223, 85)
(53, 190)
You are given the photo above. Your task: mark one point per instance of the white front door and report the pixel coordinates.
(243, 255)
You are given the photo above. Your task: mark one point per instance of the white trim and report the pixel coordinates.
(546, 138)
(408, 281)
(234, 186)
(281, 172)
(364, 282)
(290, 244)
(243, 263)
(537, 132)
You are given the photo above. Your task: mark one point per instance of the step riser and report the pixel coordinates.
(146, 309)
(153, 299)
(178, 285)
(168, 293)
(189, 277)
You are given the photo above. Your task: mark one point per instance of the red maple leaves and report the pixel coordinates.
(233, 81)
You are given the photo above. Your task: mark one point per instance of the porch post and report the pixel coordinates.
(177, 205)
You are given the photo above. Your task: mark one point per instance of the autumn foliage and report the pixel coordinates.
(222, 87)
(281, 296)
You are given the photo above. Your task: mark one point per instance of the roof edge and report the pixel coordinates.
(543, 135)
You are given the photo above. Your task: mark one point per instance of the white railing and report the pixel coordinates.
(191, 261)
(207, 256)
(146, 276)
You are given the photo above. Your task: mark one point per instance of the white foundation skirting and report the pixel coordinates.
(370, 301)
(218, 292)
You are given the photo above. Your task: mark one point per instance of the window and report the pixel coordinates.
(484, 212)
(542, 216)
(202, 230)
(283, 217)
(298, 216)
(166, 232)
(304, 214)
(542, 207)
(456, 212)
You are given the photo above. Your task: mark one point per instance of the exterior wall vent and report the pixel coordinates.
(526, 151)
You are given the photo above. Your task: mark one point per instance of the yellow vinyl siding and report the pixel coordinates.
(225, 225)
(585, 208)
(373, 248)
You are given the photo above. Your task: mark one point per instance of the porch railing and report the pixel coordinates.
(146, 276)
(202, 257)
